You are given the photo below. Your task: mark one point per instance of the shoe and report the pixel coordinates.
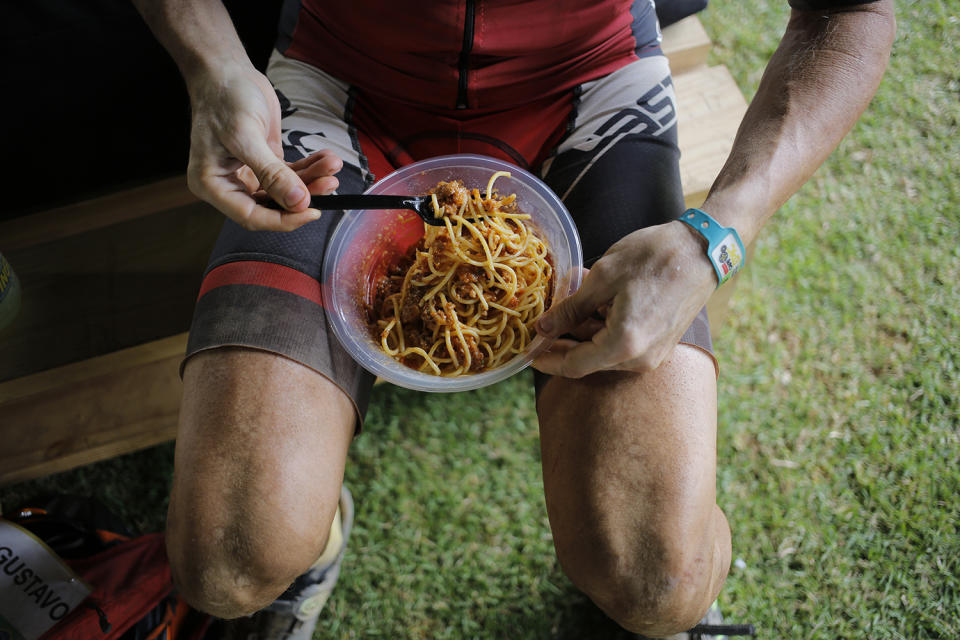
(293, 616)
(712, 627)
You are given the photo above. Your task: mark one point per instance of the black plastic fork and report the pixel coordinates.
(422, 205)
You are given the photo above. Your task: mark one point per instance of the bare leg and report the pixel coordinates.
(629, 466)
(260, 455)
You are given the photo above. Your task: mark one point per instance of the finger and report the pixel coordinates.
(229, 195)
(256, 217)
(249, 180)
(325, 160)
(318, 171)
(266, 219)
(315, 171)
(572, 359)
(322, 186)
(549, 361)
(274, 176)
(318, 177)
(567, 314)
(588, 328)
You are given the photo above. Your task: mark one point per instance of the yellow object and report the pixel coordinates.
(334, 542)
(9, 293)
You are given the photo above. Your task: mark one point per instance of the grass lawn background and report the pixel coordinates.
(839, 448)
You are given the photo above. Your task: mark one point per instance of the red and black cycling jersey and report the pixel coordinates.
(475, 54)
(468, 54)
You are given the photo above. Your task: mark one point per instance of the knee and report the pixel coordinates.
(231, 569)
(651, 585)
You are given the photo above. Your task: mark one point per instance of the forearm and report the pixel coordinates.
(817, 84)
(198, 34)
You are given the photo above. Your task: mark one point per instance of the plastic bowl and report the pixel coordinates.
(366, 243)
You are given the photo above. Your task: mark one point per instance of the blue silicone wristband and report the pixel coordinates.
(724, 250)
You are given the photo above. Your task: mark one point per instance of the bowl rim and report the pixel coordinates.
(410, 378)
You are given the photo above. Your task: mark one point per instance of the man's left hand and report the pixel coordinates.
(633, 306)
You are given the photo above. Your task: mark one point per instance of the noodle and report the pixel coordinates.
(464, 300)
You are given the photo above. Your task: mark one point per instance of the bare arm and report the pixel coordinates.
(198, 34)
(817, 84)
(654, 281)
(236, 155)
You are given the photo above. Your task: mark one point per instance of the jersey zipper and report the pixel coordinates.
(464, 64)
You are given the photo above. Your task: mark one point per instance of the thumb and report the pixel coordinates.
(566, 315)
(562, 317)
(276, 178)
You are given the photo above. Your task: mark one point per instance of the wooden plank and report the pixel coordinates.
(90, 410)
(107, 289)
(92, 368)
(686, 44)
(710, 110)
(97, 213)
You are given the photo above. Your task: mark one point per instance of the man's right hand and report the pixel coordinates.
(236, 155)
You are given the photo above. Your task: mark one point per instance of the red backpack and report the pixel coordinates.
(131, 591)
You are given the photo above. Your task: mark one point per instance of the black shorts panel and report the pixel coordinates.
(618, 170)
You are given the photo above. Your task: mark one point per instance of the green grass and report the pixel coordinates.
(839, 416)
(839, 430)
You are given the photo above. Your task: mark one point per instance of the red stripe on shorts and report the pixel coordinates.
(263, 274)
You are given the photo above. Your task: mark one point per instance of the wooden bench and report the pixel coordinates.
(89, 370)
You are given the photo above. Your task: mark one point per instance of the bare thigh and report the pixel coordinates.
(629, 466)
(260, 456)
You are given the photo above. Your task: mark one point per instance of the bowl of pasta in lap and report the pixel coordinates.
(452, 306)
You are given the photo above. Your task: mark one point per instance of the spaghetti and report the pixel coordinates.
(465, 299)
